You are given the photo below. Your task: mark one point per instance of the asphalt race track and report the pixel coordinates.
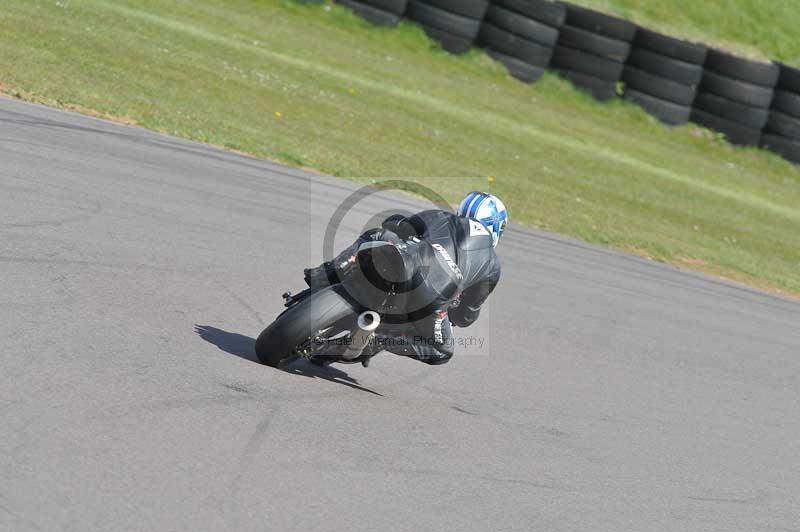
(610, 393)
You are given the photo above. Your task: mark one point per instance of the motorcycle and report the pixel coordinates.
(388, 285)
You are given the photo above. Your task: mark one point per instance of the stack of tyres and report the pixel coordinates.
(782, 132)
(521, 34)
(592, 49)
(662, 75)
(378, 12)
(453, 23)
(734, 96)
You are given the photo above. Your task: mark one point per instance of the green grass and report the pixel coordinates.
(765, 29)
(315, 86)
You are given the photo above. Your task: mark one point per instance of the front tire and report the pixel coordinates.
(302, 323)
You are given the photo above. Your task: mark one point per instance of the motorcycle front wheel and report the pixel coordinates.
(301, 324)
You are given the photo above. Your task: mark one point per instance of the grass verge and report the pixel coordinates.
(315, 86)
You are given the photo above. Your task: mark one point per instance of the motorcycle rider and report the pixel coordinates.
(467, 240)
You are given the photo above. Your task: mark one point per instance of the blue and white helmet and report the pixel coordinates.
(488, 210)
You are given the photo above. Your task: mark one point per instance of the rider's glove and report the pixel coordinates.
(328, 273)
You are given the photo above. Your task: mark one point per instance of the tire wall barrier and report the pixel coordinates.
(592, 50)
(378, 12)
(522, 34)
(663, 74)
(455, 24)
(782, 132)
(751, 103)
(735, 96)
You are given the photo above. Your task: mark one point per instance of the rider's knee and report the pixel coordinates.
(437, 361)
(441, 355)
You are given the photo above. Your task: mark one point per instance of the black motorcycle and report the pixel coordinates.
(388, 285)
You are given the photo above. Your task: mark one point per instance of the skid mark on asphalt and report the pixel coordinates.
(548, 432)
(59, 221)
(198, 401)
(487, 478)
(444, 475)
(135, 267)
(250, 310)
(5, 507)
(244, 463)
(255, 442)
(241, 388)
(757, 499)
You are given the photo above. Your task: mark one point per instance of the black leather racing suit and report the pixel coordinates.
(469, 245)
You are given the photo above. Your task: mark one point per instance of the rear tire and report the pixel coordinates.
(566, 58)
(666, 67)
(519, 69)
(525, 27)
(668, 112)
(783, 125)
(765, 74)
(686, 51)
(600, 89)
(787, 102)
(551, 13)
(301, 323)
(398, 7)
(474, 9)
(596, 22)
(789, 78)
(657, 86)
(454, 44)
(513, 45)
(594, 43)
(371, 14)
(736, 90)
(786, 148)
(747, 115)
(735, 133)
(436, 17)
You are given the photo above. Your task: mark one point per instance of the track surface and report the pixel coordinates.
(611, 393)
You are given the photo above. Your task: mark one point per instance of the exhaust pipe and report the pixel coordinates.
(368, 322)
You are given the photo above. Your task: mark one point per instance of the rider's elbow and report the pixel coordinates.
(463, 320)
